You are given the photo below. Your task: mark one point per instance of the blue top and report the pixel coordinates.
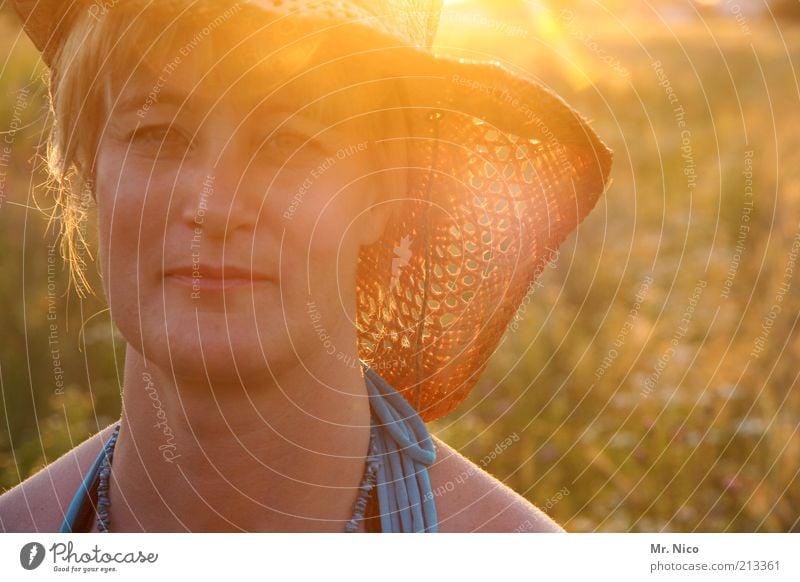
(403, 450)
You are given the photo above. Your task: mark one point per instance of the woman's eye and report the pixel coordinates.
(291, 143)
(288, 141)
(159, 139)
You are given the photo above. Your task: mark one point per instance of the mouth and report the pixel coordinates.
(199, 277)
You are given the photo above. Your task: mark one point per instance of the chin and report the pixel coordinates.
(218, 342)
(208, 358)
(197, 345)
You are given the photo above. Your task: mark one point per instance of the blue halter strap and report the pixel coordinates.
(403, 450)
(81, 508)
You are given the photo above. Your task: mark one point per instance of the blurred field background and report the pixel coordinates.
(649, 383)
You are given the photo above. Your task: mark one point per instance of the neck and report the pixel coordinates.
(285, 453)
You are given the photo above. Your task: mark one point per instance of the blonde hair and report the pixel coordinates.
(102, 49)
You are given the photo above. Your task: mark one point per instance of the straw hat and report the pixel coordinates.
(501, 172)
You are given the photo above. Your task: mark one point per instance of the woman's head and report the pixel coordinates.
(213, 144)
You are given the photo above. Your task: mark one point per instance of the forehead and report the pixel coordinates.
(246, 58)
(250, 73)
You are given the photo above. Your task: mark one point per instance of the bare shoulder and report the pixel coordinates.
(468, 499)
(39, 503)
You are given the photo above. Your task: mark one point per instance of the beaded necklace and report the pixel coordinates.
(400, 449)
(367, 484)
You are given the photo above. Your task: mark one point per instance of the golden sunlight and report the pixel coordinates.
(520, 33)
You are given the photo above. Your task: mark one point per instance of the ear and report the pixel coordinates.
(88, 178)
(373, 221)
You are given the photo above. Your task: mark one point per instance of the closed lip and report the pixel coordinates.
(216, 273)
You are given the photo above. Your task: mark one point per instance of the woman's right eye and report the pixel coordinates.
(160, 140)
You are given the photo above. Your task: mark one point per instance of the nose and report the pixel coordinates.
(222, 202)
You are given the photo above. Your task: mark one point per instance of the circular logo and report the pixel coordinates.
(31, 555)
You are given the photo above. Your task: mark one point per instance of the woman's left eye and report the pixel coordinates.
(290, 143)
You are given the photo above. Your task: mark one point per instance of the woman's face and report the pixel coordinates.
(229, 228)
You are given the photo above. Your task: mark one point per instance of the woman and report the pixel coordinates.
(302, 214)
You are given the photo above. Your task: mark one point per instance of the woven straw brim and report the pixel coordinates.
(503, 172)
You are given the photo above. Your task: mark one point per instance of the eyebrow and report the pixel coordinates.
(138, 100)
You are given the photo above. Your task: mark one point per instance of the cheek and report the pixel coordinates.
(132, 204)
(319, 254)
(322, 216)
(116, 199)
